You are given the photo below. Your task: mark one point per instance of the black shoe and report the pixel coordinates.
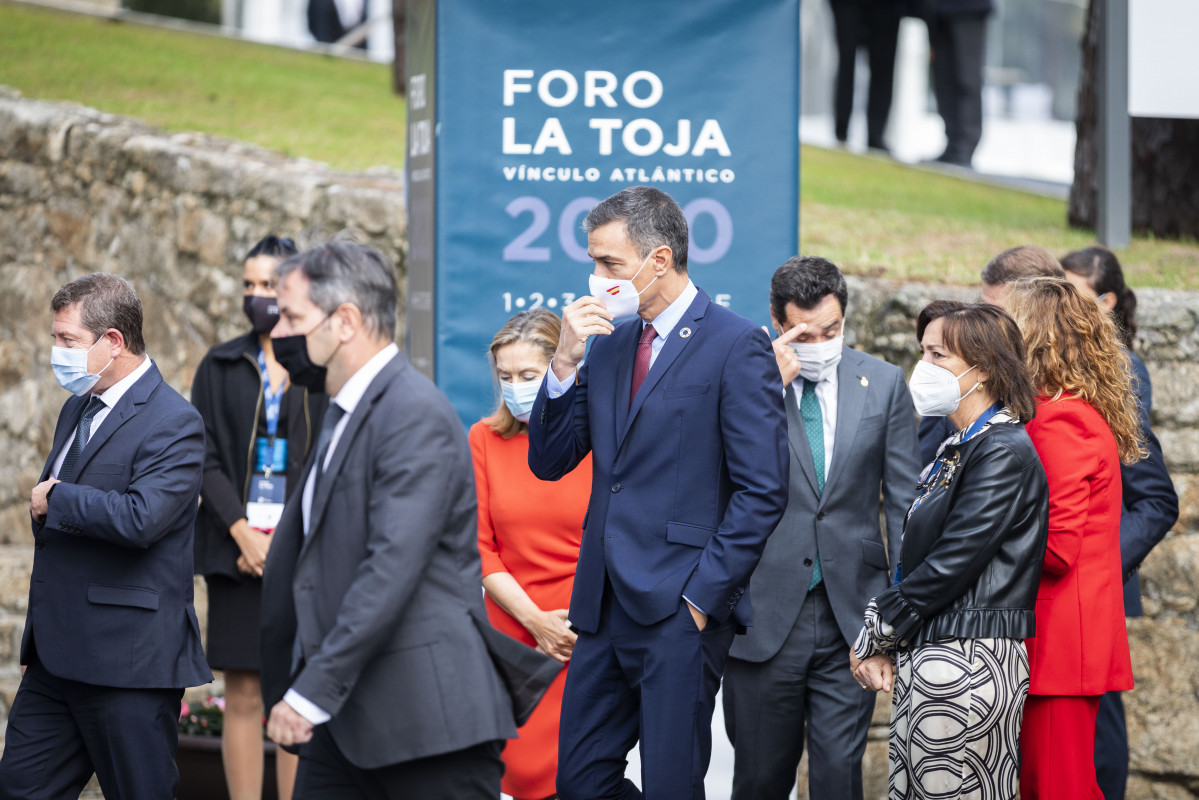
(953, 160)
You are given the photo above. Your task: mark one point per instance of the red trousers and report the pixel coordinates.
(1057, 748)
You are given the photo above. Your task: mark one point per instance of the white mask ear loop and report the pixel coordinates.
(975, 386)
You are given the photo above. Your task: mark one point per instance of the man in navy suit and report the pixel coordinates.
(111, 637)
(682, 411)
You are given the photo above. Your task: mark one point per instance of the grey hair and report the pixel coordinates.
(343, 272)
(105, 301)
(652, 218)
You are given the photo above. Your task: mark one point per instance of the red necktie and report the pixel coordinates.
(645, 349)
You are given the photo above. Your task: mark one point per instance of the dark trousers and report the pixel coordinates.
(470, 774)
(873, 24)
(808, 683)
(1111, 747)
(629, 682)
(60, 732)
(958, 43)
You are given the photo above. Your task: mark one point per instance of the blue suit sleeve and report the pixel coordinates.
(166, 475)
(753, 427)
(559, 432)
(1150, 502)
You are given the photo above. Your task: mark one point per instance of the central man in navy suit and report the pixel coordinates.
(682, 410)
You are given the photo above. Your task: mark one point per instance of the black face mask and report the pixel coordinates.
(292, 354)
(263, 312)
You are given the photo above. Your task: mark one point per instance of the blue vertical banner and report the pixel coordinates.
(544, 108)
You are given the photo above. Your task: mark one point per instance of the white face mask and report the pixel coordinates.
(519, 397)
(817, 360)
(70, 368)
(620, 296)
(935, 391)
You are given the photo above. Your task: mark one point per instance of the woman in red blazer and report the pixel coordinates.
(1086, 424)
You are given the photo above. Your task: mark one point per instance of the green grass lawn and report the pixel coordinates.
(870, 216)
(334, 110)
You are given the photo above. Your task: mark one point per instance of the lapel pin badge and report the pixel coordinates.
(684, 333)
(865, 382)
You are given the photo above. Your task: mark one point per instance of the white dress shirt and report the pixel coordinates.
(347, 399)
(663, 324)
(110, 397)
(826, 394)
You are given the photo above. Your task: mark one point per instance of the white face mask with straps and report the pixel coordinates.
(935, 391)
(619, 296)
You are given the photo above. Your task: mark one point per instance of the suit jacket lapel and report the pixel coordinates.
(121, 413)
(324, 488)
(68, 421)
(675, 344)
(851, 398)
(798, 439)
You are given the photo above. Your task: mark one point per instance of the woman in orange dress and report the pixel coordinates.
(529, 536)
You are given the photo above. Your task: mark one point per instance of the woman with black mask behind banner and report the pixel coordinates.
(258, 423)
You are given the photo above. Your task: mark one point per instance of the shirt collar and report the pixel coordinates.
(665, 322)
(112, 395)
(353, 389)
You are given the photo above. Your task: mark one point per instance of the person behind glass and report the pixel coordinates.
(1150, 502)
(1025, 261)
(529, 537)
(949, 634)
(258, 430)
(1086, 425)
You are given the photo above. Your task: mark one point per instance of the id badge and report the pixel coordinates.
(267, 496)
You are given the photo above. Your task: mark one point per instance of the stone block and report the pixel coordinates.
(1170, 579)
(16, 563)
(1180, 446)
(1163, 728)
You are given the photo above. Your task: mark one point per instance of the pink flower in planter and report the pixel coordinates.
(184, 711)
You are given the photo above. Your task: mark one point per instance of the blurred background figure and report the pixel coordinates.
(258, 428)
(873, 25)
(529, 537)
(1086, 425)
(1150, 504)
(957, 36)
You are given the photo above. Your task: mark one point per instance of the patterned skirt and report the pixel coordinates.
(955, 722)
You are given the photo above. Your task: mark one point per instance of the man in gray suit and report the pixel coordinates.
(852, 432)
(371, 606)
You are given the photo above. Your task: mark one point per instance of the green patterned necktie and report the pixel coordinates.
(813, 425)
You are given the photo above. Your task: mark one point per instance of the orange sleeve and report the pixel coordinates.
(1067, 451)
(489, 552)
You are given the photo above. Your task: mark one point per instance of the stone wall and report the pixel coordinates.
(83, 191)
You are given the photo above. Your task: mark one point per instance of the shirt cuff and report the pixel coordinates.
(693, 605)
(555, 388)
(306, 708)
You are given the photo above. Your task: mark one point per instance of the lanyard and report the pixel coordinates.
(273, 399)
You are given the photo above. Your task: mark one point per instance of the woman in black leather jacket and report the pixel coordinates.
(949, 634)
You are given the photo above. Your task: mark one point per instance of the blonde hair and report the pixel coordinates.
(1073, 348)
(539, 327)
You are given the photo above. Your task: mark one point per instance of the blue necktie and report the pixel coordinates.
(813, 425)
(82, 433)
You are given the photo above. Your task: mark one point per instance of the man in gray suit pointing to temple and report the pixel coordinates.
(852, 435)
